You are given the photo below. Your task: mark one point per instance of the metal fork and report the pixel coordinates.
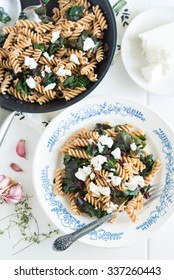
(154, 193)
(64, 241)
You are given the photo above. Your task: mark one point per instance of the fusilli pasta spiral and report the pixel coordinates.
(103, 178)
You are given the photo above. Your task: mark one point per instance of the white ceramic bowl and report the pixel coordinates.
(160, 140)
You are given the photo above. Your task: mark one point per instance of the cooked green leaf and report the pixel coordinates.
(101, 126)
(92, 150)
(131, 193)
(72, 186)
(118, 197)
(66, 159)
(87, 208)
(123, 141)
(111, 162)
(23, 15)
(4, 17)
(78, 43)
(75, 13)
(45, 19)
(40, 11)
(50, 78)
(22, 85)
(140, 143)
(2, 40)
(45, 1)
(77, 81)
(149, 162)
(39, 46)
(54, 47)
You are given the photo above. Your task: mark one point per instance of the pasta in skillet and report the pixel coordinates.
(41, 61)
(106, 170)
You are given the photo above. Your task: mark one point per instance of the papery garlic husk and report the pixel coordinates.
(14, 194)
(4, 182)
(21, 149)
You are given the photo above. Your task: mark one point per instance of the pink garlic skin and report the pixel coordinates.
(21, 149)
(14, 194)
(10, 191)
(16, 167)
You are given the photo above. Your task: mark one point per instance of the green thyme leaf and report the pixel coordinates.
(23, 220)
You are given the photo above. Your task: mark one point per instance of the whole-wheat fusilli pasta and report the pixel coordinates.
(69, 46)
(101, 176)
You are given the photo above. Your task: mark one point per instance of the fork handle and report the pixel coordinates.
(64, 241)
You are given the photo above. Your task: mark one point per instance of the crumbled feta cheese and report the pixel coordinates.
(98, 161)
(106, 140)
(88, 44)
(100, 148)
(153, 72)
(94, 189)
(50, 86)
(55, 36)
(74, 58)
(91, 141)
(47, 69)
(47, 55)
(116, 153)
(30, 62)
(83, 172)
(97, 190)
(92, 176)
(104, 190)
(116, 180)
(133, 147)
(134, 182)
(43, 74)
(112, 207)
(63, 72)
(31, 82)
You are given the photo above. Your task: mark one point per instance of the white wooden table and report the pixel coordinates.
(116, 83)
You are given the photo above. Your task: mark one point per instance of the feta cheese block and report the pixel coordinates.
(158, 48)
(152, 72)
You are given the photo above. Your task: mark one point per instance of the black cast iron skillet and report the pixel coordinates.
(12, 103)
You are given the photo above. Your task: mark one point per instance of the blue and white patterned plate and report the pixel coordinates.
(160, 140)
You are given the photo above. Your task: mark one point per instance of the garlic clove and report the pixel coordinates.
(20, 148)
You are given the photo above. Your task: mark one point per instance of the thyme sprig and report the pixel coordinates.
(22, 218)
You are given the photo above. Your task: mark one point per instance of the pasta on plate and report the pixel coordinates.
(43, 61)
(107, 169)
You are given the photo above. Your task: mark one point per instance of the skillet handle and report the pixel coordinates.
(6, 117)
